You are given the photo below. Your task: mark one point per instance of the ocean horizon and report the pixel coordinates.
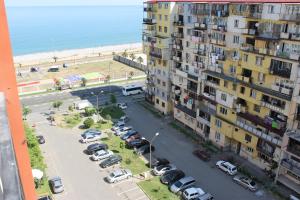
(40, 29)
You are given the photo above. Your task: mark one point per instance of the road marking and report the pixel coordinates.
(119, 194)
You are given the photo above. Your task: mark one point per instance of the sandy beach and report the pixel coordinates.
(74, 54)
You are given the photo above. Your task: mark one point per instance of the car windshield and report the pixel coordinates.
(234, 169)
(178, 184)
(112, 175)
(252, 183)
(57, 183)
(160, 167)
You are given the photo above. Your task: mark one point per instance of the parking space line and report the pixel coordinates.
(142, 197)
(119, 183)
(119, 194)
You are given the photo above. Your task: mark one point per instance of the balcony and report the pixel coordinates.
(199, 26)
(250, 31)
(149, 21)
(178, 47)
(204, 118)
(177, 58)
(263, 150)
(221, 28)
(266, 123)
(198, 39)
(268, 35)
(156, 54)
(177, 35)
(149, 9)
(218, 41)
(200, 10)
(220, 13)
(200, 52)
(186, 110)
(295, 36)
(195, 78)
(294, 150)
(252, 14)
(259, 133)
(178, 23)
(290, 17)
(292, 166)
(288, 55)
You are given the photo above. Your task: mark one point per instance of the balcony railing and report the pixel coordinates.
(263, 150)
(178, 23)
(290, 17)
(295, 36)
(218, 41)
(294, 150)
(220, 13)
(200, 11)
(221, 28)
(199, 26)
(184, 109)
(155, 54)
(177, 58)
(292, 166)
(149, 9)
(149, 21)
(177, 35)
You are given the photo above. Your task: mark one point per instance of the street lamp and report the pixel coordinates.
(97, 96)
(151, 141)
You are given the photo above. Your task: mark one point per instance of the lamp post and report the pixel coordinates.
(151, 141)
(97, 97)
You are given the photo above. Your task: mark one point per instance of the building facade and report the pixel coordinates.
(230, 72)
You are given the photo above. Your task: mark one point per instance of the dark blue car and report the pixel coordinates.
(129, 134)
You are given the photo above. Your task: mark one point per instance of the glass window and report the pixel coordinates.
(236, 39)
(166, 17)
(218, 123)
(159, 16)
(223, 111)
(248, 138)
(258, 60)
(223, 97)
(256, 108)
(253, 94)
(217, 136)
(165, 29)
(236, 23)
(245, 57)
(166, 5)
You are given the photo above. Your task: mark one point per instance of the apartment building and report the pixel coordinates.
(232, 76)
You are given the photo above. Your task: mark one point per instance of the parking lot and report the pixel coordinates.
(83, 179)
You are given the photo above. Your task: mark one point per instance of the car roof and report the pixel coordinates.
(194, 190)
(56, 178)
(229, 164)
(186, 179)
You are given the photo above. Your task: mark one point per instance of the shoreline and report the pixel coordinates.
(74, 54)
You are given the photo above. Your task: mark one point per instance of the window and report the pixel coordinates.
(253, 94)
(158, 71)
(163, 94)
(249, 149)
(218, 123)
(165, 63)
(166, 5)
(232, 69)
(164, 83)
(242, 90)
(159, 28)
(189, 19)
(158, 81)
(256, 108)
(245, 57)
(258, 60)
(223, 111)
(180, 79)
(159, 5)
(163, 104)
(188, 31)
(159, 16)
(165, 29)
(236, 23)
(236, 39)
(187, 44)
(225, 84)
(270, 9)
(157, 101)
(223, 97)
(234, 87)
(166, 17)
(218, 136)
(248, 138)
(164, 73)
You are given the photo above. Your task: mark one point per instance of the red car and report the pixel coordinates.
(134, 137)
(203, 155)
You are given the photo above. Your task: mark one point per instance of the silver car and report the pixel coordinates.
(102, 154)
(56, 185)
(182, 184)
(118, 175)
(245, 182)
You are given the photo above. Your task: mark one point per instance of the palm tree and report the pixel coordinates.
(26, 111)
(55, 58)
(140, 59)
(125, 54)
(132, 56)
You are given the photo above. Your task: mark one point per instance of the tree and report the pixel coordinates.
(83, 82)
(57, 104)
(108, 117)
(26, 111)
(88, 122)
(132, 56)
(89, 111)
(55, 58)
(107, 78)
(140, 59)
(125, 54)
(57, 84)
(113, 99)
(71, 108)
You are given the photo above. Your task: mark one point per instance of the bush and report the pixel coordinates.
(113, 99)
(88, 122)
(107, 117)
(57, 104)
(83, 82)
(71, 108)
(89, 111)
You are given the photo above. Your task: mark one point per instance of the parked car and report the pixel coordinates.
(171, 176)
(129, 134)
(159, 161)
(192, 193)
(136, 143)
(123, 106)
(40, 139)
(134, 137)
(245, 182)
(203, 155)
(123, 130)
(118, 175)
(117, 126)
(182, 184)
(144, 149)
(90, 136)
(102, 154)
(110, 161)
(53, 69)
(56, 185)
(45, 198)
(227, 167)
(91, 149)
(161, 169)
(206, 196)
(123, 119)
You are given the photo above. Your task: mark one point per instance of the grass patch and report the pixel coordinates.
(151, 109)
(156, 190)
(36, 160)
(103, 125)
(129, 159)
(114, 111)
(71, 120)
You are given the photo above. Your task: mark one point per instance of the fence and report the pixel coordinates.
(130, 63)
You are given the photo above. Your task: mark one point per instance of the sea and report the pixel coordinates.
(57, 28)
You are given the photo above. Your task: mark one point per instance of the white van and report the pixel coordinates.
(227, 167)
(82, 104)
(192, 193)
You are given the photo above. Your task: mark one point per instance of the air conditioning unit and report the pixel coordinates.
(203, 25)
(196, 25)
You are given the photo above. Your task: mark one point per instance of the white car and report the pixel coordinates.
(102, 154)
(246, 182)
(123, 119)
(118, 126)
(118, 175)
(227, 167)
(123, 130)
(192, 193)
(161, 169)
(123, 106)
(90, 137)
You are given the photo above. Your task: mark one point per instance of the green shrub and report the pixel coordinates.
(71, 108)
(107, 117)
(113, 99)
(88, 122)
(89, 111)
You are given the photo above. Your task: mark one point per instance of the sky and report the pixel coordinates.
(70, 2)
